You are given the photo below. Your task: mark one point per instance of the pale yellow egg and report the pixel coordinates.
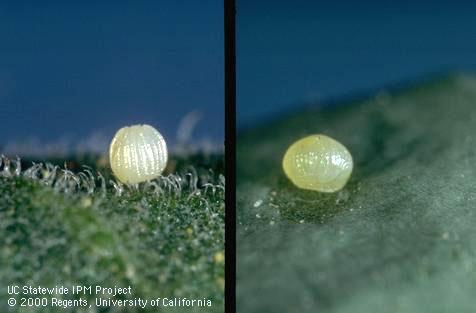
(318, 162)
(137, 153)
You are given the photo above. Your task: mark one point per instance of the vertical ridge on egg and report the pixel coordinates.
(137, 153)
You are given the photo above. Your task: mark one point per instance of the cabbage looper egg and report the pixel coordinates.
(137, 153)
(318, 162)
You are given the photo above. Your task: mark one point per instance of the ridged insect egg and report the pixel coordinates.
(318, 162)
(137, 153)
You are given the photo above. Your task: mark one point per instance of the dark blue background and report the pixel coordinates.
(72, 69)
(291, 53)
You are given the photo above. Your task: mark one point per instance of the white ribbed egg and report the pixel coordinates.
(137, 153)
(318, 162)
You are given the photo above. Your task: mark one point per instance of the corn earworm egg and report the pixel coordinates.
(318, 162)
(137, 153)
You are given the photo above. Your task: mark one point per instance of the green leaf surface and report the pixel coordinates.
(167, 244)
(401, 235)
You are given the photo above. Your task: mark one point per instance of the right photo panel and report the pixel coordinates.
(356, 176)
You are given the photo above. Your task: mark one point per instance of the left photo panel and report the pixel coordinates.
(112, 171)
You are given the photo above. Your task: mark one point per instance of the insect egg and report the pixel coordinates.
(318, 162)
(137, 153)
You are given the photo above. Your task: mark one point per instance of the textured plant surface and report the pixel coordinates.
(400, 237)
(66, 227)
